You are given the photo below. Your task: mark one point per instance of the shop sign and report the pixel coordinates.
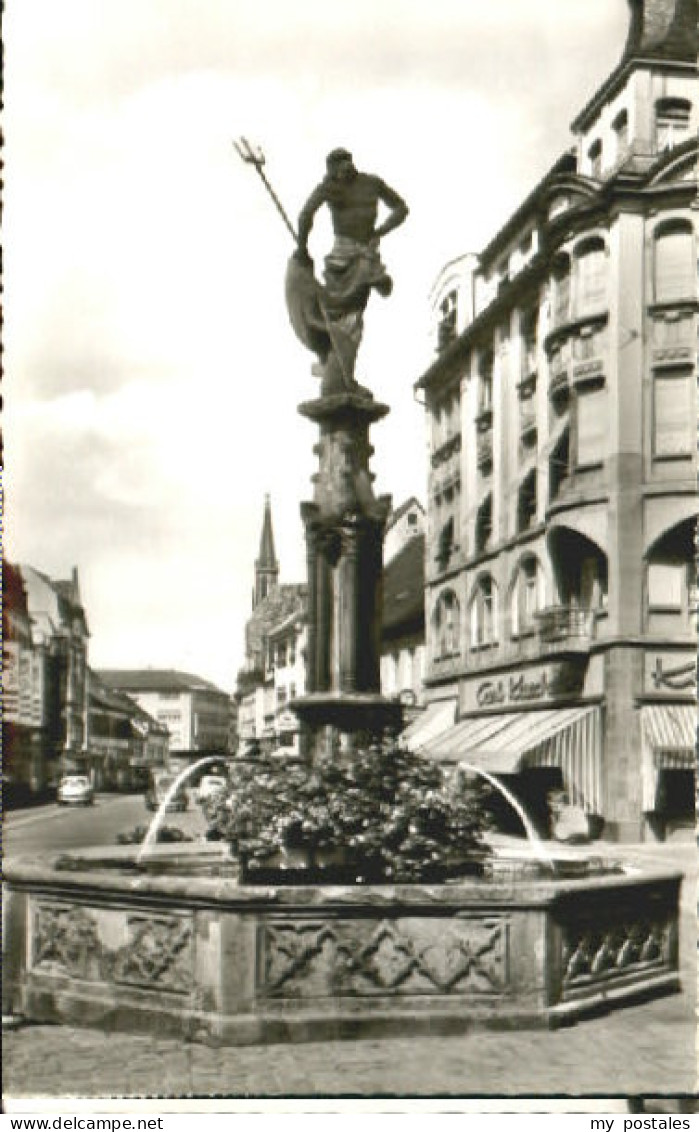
(670, 673)
(530, 686)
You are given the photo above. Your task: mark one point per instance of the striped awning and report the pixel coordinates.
(437, 718)
(669, 737)
(568, 738)
(670, 730)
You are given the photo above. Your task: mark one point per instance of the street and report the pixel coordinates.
(50, 827)
(644, 1049)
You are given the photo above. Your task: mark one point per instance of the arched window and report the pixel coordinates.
(595, 156)
(484, 613)
(671, 122)
(561, 289)
(447, 625)
(526, 596)
(674, 267)
(591, 276)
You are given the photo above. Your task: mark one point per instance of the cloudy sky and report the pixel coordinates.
(151, 378)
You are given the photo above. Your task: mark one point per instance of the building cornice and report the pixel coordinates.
(613, 83)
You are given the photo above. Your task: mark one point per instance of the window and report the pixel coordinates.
(446, 544)
(485, 382)
(447, 625)
(592, 425)
(591, 290)
(412, 519)
(620, 125)
(526, 503)
(559, 465)
(673, 414)
(484, 613)
(666, 584)
(527, 596)
(281, 697)
(529, 331)
(561, 289)
(674, 265)
(484, 525)
(671, 122)
(594, 154)
(446, 331)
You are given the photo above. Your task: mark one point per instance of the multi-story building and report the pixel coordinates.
(59, 671)
(125, 741)
(23, 671)
(562, 497)
(195, 712)
(274, 668)
(403, 620)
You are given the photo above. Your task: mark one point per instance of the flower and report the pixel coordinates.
(392, 812)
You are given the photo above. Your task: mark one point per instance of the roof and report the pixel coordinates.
(403, 589)
(155, 680)
(661, 31)
(400, 511)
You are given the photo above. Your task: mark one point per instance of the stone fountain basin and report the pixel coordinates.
(192, 953)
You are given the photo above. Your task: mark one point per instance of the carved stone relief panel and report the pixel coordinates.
(411, 955)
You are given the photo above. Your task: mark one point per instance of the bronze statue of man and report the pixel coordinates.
(328, 318)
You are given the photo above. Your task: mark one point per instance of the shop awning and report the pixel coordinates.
(670, 730)
(568, 738)
(437, 718)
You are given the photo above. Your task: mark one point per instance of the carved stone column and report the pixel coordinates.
(344, 527)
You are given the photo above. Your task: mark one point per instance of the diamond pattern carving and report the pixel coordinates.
(413, 955)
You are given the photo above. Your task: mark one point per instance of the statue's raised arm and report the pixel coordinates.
(328, 317)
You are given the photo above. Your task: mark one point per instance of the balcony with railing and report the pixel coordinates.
(565, 628)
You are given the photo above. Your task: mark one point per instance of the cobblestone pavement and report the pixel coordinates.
(646, 1049)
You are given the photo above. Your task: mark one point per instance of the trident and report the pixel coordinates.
(253, 155)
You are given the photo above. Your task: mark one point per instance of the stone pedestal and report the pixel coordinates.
(344, 528)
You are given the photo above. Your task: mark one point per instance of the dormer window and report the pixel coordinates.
(594, 154)
(446, 331)
(620, 125)
(671, 123)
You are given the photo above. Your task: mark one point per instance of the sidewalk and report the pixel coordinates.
(648, 1049)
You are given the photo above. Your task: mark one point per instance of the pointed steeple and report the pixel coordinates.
(266, 565)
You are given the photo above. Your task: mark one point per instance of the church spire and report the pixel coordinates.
(266, 565)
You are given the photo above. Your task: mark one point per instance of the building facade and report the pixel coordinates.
(195, 712)
(56, 673)
(125, 741)
(25, 771)
(561, 405)
(403, 617)
(273, 672)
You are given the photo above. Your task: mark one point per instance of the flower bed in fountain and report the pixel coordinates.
(380, 815)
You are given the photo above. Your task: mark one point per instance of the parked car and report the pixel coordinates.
(158, 789)
(210, 784)
(75, 790)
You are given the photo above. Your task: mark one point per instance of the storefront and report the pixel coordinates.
(533, 728)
